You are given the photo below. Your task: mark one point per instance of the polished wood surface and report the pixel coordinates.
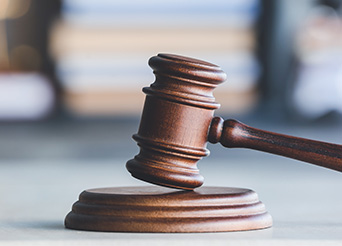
(176, 124)
(158, 209)
(234, 134)
(175, 127)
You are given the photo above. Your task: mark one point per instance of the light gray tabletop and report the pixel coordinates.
(37, 192)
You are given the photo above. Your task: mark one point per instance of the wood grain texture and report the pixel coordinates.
(177, 113)
(234, 134)
(158, 209)
(177, 122)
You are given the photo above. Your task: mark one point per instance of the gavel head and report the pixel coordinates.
(174, 126)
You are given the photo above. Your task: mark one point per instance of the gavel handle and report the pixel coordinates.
(234, 134)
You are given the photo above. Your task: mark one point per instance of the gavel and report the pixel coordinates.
(177, 122)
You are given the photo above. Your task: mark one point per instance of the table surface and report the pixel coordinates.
(43, 172)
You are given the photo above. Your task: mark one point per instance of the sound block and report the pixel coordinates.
(159, 209)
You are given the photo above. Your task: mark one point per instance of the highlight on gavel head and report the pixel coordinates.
(174, 126)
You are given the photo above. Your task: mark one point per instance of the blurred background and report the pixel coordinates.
(71, 74)
(71, 71)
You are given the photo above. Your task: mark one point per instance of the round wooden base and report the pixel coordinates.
(159, 209)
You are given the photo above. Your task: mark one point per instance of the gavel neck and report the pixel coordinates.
(230, 133)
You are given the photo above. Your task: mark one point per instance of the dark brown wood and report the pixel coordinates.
(175, 127)
(234, 134)
(158, 209)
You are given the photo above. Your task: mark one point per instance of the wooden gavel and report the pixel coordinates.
(177, 122)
